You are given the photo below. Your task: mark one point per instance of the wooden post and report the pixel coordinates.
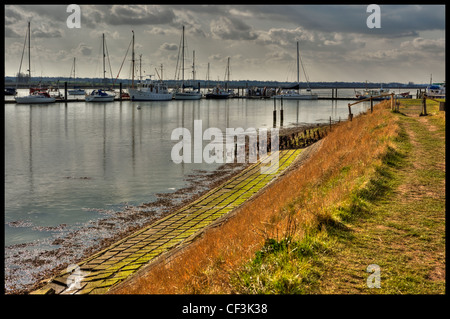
(442, 106)
(274, 112)
(281, 113)
(332, 94)
(424, 106)
(392, 101)
(65, 91)
(335, 93)
(120, 91)
(350, 115)
(330, 123)
(371, 104)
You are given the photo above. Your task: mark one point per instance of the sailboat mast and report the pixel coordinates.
(140, 68)
(132, 62)
(207, 77)
(74, 68)
(193, 65)
(182, 62)
(228, 73)
(104, 71)
(29, 52)
(298, 70)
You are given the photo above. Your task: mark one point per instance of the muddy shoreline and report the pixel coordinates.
(117, 225)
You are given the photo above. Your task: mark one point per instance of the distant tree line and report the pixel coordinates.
(24, 80)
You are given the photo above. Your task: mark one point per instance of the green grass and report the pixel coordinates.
(394, 217)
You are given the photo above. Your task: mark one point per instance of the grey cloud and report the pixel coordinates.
(38, 33)
(83, 49)
(396, 20)
(139, 14)
(231, 28)
(10, 33)
(169, 46)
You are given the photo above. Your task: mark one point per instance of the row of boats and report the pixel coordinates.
(150, 90)
(146, 91)
(158, 91)
(435, 90)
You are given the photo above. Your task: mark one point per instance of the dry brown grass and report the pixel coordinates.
(206, 265)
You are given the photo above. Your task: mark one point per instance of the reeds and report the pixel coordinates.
(284, 211)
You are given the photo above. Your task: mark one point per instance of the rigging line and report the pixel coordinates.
(122, 62)
(109, 61)
(21, 59)
(304, 71)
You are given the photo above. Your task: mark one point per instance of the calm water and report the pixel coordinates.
(68, 168)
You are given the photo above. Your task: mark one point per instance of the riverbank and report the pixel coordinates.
(372, 194)
(167, 203)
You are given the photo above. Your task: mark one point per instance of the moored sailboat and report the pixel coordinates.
(35, 96)
(294, 94)
(100, 95)
(75, 90)
(181, 93)
(220, 92)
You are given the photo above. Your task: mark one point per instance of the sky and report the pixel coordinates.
(335, 42)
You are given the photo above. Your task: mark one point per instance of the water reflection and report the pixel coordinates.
(122, 152)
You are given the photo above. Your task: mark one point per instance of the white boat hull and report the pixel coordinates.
(90, 98)
(34, 100)
(187, 96)
(296, 97)
(137, 95)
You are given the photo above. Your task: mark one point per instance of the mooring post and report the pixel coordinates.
(332, 94)
(371, 104)
(350, 115)
(120, 91)
(65, 91)
(424, 106)
(281, 113)
(274, 112)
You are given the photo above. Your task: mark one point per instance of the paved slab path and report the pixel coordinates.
(107, 268)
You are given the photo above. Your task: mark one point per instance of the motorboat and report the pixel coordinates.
(367, 93)
(436, 90)
(219, 93)
(150, 90)
(99, 95)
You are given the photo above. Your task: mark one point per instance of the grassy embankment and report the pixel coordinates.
(373, 193)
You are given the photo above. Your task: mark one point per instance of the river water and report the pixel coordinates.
(79, 173)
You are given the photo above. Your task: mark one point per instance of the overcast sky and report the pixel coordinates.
(335, 42)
